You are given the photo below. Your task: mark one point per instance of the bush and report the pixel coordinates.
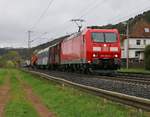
(147, 57)
(2, 62)
(11, 59)
(10, 64)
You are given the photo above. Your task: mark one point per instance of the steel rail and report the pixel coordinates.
(135, 75)
(140, 103)
(129, 79)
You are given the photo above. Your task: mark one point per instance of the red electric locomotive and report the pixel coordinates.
(92, 49)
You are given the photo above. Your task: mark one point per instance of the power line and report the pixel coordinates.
(41, 41)
(42, 15)
(74, 17)
(38, 37)
(91, 8)
(29, 43)
(130, 15)
(85, 9)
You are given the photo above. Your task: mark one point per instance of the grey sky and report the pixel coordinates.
(19, 16)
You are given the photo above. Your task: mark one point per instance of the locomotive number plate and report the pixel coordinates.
(105, 49)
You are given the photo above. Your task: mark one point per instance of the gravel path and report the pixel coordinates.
(4, 95)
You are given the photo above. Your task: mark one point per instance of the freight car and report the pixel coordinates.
(91, 49)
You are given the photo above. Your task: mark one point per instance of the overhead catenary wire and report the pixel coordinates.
(88, 9)
(92, 4)
(100, 3)
(134, 13)
(42, 15)
(74, 17)
(38, 37)
(39, 19)
(51, 1)
(95, 6)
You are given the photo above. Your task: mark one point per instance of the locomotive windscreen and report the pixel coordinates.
(104, 37)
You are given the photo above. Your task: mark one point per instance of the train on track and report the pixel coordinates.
(90, 49)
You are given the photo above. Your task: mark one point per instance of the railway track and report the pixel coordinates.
(127, 85)
(135, 78)
(117, 76)
(130, 78)
(138, 102)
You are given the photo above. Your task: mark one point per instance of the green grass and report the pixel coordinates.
(68, 102)
(135, 70)
(3, 75)
(18, 106)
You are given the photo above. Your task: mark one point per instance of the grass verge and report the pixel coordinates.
(134, 70)
(68, 102)
(18, 106)
(3, 74)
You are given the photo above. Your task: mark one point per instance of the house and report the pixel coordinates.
(136, 47)
(139, 38)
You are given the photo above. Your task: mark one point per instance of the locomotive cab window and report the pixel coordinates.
(104, 37)
(98, 37)
(110, 37)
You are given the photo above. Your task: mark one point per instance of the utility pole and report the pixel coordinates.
(127, 57)
(78, 22)
(29, 43)
(29, 39)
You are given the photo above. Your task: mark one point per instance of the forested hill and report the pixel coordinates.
(22, 51)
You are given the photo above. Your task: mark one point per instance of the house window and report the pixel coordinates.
(138, 42)
(137, 53)
(144, 42)
(146, 30)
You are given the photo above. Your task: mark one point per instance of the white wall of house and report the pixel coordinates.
(123, 54)
(136, 47)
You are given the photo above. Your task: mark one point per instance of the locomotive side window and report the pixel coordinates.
(98, 37)
(83, 40)
(110, 37)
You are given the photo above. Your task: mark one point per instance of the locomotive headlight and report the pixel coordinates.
(114, 49)
(116, 55)
(95, 55)
(89, 61)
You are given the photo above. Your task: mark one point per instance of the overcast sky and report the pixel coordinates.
(19, 16)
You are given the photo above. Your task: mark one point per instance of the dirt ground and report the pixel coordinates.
(42, 110)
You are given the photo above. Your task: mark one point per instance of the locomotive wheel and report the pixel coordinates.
(90, 70)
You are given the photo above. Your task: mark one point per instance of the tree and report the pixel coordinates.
(147, 57)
